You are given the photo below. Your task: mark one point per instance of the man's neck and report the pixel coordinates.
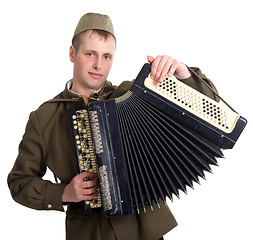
(79, 89)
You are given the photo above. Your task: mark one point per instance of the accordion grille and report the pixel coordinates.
(217, 114)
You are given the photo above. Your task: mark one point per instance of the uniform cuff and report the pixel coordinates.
(53, 199)
(189, 81)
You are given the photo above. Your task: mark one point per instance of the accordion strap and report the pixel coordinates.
(214, 92)
(101, 95)
(82, 99)
(57, 100)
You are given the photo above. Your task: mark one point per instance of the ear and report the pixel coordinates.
(72, 53)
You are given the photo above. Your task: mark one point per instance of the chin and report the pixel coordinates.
(96, 84)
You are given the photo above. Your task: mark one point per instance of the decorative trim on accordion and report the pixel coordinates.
(105, 188)
(96, 132)
(123, 97)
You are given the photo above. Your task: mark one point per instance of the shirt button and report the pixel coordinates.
(49, 206)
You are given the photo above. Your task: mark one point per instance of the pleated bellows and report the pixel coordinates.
(163, 157)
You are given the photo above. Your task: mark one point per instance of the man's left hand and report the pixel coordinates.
(165, 65)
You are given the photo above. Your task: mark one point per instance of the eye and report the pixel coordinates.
(107, 57)
(89, 54)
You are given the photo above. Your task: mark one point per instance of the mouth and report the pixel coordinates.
(95, 75)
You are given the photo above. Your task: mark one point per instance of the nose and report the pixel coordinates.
(97, 63)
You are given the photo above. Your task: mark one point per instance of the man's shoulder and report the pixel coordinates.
(121, 89)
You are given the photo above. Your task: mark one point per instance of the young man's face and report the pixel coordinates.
(93, 60)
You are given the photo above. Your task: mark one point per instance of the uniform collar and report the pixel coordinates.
(99, 94)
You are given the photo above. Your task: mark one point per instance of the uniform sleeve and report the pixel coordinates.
(121, 89)
(25, 179)
(198, 85)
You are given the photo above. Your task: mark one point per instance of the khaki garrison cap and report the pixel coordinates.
(94, 21)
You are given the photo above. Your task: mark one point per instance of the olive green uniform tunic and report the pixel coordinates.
(48, 142)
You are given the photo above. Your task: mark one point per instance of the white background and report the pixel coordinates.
(213, 35)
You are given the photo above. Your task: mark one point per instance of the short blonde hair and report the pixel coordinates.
(77, 40)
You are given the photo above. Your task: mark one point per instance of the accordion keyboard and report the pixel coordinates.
(84, 148)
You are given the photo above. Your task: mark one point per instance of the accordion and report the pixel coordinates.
(151, 142)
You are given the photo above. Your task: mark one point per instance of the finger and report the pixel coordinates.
(169, 69)
(166, 68)
(90, 197)
(154, 66)
(150, 59)
(86, 175)
(89, 191)
(172, 69)
(89, 184)
(161, 67)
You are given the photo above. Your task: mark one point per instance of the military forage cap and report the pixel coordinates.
(94, 21)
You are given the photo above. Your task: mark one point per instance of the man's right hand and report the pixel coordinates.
(80, 189)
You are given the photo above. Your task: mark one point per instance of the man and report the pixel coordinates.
(48, 141)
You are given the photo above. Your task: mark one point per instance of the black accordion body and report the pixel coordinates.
(151, 142)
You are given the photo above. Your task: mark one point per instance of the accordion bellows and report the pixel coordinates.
(151, 142)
